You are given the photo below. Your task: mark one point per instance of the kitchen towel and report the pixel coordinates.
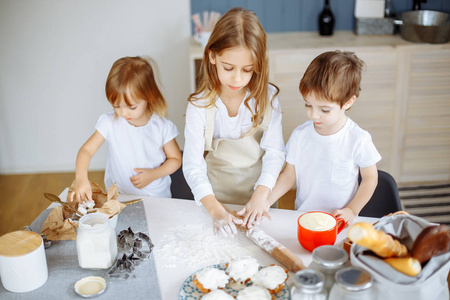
(430, 283)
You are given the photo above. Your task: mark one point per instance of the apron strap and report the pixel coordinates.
(209, 127)
(266, 118)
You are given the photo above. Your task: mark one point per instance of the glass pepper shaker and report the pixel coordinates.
(328, 260)
(308, 285)
(352, 283)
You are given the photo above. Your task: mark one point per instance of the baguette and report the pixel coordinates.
(382, 244)
(406, 265)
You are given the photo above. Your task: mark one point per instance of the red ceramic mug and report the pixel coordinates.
(317, 228)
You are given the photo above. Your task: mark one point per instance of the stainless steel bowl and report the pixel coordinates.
(425, 26)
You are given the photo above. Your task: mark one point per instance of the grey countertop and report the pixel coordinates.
(64, 271)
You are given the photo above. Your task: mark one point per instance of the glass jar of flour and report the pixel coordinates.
(96, 242)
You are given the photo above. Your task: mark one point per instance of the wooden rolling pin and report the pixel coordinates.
(274, 248)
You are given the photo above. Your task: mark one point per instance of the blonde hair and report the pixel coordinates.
(237, 27)
(334, 76)
(136, 76)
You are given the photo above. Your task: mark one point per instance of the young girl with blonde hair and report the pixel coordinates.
(143, 151)
(234, 116)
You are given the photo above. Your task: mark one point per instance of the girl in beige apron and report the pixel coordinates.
(234, 67)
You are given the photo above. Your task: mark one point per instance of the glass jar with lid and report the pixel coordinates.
(308, 285)
(96, 242)
(328, 260)
(352, 283)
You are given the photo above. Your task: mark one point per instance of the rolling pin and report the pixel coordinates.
(274, 248)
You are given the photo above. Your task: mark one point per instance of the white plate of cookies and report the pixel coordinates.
(219, 282)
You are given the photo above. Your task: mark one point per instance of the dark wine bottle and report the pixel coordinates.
(326, 20)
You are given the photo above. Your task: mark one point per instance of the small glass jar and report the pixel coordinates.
(308, 285)
(352, 283)
(96, 242)
(328, 260)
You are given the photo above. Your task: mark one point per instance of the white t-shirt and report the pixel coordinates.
(133, 147)
(194, 165)
(327, 167)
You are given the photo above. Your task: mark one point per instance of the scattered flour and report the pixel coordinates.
(196, 246)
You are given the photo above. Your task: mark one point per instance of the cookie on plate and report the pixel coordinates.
(241, 270)
(210, 279)
(217, 295)
(272, 278)
(254, 292)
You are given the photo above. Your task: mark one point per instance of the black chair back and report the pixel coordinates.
(179, 187)
(385, 199)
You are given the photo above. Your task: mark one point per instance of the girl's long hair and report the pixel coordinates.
(237, 27)
(135, 77)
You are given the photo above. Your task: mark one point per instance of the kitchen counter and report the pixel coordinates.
(311, 39)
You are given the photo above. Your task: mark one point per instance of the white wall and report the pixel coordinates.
(54, 59)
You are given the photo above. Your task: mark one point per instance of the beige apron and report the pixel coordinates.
(234, 166)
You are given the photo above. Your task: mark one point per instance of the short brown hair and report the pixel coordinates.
(136, 75)
(334, 76)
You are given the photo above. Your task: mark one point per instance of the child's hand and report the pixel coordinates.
(224, 223)
(256, 209)
(346, 213)
(144, 178)
(82, 192)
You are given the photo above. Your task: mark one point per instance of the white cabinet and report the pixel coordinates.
(423, 114)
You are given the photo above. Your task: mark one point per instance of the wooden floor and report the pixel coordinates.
(23, 196)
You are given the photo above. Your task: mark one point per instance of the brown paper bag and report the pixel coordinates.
(59, 226)
(56, 228)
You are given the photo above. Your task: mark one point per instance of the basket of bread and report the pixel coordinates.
(407, 256)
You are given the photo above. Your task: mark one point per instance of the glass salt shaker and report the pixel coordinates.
(352, 283)
(328, 260)
(96, 242)
(308, 285)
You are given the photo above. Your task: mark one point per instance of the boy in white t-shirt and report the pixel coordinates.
(326, 153)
